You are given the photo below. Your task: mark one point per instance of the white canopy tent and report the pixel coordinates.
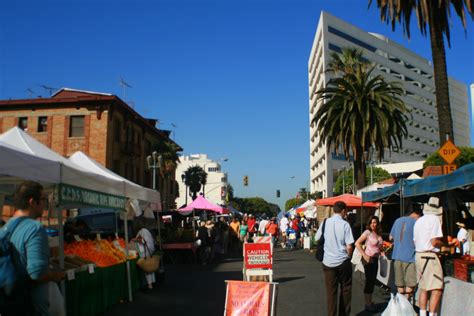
(132, 190)
(64, 171)
(24, 158)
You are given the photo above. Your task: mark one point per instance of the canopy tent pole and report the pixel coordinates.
(162, 268)
(129, 279)
(361, 218)
(194, 226)
(402, 200)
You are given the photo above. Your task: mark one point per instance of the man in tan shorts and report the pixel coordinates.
(427, 235)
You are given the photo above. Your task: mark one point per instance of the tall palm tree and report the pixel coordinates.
(435, 14)
(360, 111)
(195, 177)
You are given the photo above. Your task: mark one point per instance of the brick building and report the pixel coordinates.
(101, 125)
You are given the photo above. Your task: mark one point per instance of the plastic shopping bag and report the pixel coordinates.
(399, 306)
(356, 257)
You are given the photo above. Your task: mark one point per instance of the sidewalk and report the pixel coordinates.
(201, 290)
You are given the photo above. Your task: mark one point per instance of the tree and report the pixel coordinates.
(195, 177)
(360, 112)
(436, 14)
(466, 157)
(289, 204)
(169, 155)
(254, 205)
(378, 174)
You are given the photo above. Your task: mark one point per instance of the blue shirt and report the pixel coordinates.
(402, 234)
(337, 236)
(31, 256)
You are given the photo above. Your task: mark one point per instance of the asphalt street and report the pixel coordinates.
(191, 289)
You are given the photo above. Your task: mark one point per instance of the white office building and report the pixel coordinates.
(395, 63)
(216, 186)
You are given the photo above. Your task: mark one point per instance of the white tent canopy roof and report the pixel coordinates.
(54, 167)
(402, 167)
(132, 190)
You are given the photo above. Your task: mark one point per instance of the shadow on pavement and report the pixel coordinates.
(284, 280)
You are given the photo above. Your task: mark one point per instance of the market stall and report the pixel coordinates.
(69, 186)
(453, 190)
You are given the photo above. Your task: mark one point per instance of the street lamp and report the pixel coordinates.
(155, 161)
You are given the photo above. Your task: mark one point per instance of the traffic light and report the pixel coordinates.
(278, 193)
(246, 180)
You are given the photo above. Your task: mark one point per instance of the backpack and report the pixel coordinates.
(8, 275)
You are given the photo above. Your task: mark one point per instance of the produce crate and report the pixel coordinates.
(464, 270)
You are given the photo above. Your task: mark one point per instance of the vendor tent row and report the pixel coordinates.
(72, 183)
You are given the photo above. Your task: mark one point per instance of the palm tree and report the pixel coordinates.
(436, 14)
(360, 111)
(169, 153)
(195, 177)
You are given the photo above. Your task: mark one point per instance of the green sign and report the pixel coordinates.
(69, 194)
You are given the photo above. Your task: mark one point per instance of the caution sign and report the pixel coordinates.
(247, 298)
(449, 152)
(447, 169)
(258, 256)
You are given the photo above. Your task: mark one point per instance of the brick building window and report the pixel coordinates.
(42, 124)
(118, 131)
(76, 126)
(116, 167)
(23, 123)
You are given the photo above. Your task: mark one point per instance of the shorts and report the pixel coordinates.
(432, 277)
(405, 274)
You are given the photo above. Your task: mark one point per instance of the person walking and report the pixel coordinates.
(202, 238)
(261, 226)
(146, 247)
(244, 229)
(427, 235)
(30, 255)
(463, 238)
(403, 254)
(337, 265)
(370, 258)
(234, 235)
(284, 222)
(272, 230)
(252, 226)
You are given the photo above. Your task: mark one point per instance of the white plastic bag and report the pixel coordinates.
(356, 257)
(399, 306)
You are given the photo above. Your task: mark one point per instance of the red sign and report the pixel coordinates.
(258, 256)
(247, 298)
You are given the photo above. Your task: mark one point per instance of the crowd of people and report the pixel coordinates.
(417, 239)
(227, 235)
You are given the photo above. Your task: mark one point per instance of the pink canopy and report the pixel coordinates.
(351, 201)
(200, 203)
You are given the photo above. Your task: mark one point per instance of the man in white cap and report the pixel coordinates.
(463, 238)
(427, 235)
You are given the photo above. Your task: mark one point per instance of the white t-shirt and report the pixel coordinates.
(284, 224)
(261, 226)
(426, 228)
(462, 235)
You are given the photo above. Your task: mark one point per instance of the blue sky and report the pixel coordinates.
(231, 75)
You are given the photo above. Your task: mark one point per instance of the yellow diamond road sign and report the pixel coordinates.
(449, 152)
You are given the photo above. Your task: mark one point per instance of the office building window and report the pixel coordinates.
(335, 48)
(23, 123)
(351, 39)
(42, 124)
(76, 126)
